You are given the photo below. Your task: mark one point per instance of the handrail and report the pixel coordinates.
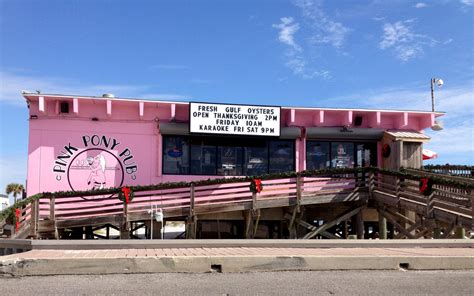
(291, 185)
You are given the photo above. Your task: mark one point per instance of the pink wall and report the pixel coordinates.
(131, 144)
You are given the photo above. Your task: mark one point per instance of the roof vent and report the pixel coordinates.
(108, 96)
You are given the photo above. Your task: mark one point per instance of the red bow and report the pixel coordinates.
(258, 185)
(17, 216)
(424, 185)
(126, 192)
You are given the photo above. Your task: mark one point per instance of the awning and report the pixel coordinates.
(344, 134)
(428, 154)
(408, 135)
(182, 129)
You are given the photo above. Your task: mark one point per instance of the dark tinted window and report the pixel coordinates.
(175, 155)
(226, 156)
(342, 154)
(229, 160)
(317, 155)
(203, 158)
(281, 156)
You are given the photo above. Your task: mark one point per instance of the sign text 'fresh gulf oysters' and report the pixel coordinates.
(208, 118)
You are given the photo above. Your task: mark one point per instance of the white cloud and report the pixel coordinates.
(325, 29)
(12, 84)
(420, 5)
(406, 44)
(288, 29)
(467, 2)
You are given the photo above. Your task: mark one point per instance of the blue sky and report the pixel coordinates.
(370, 54)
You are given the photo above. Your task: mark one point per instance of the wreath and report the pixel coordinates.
(256, 186)
(426, 186)
(386, 150)
(126, 194)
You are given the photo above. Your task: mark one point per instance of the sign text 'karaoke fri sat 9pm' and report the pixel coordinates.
(234, 119)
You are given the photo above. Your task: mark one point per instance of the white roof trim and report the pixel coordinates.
(437, 113)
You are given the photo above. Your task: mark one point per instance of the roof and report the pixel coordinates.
(408, 135)
(28, 95)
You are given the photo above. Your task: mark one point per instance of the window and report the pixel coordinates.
(281, 157)
(226, 156)
(326, 154)
(175, 155)
(317, 155)
(203, 158)
(342, 155)
(256, 159)
(229, 161)
(366, 154)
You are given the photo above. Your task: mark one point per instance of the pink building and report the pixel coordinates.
(84, 142)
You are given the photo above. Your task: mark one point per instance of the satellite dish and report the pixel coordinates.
(439, 82)
(438, 126)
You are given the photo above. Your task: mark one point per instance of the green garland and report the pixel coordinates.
(339, 172)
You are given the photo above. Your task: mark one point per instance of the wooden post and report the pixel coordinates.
(382, 227)
(298, 192)
(360, 225)
(429, 206)
(34, 218)
(124, 227)
(248, 217)
(397, 190)
(460, 232)
(192, 220)
(371, 183)
(254, 201)
(52, 216)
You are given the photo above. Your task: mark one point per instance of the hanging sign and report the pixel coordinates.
(209, 118)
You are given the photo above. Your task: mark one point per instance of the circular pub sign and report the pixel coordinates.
(100, 162)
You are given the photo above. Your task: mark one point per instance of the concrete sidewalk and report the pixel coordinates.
(232, 259)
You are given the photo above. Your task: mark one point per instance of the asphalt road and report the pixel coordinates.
(263, 283)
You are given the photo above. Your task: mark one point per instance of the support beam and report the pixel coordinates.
(248, 217)
(41, 104)
(109, 107)
(75, 105)
(312, 228)
(173, 111)
(141, 109)
(334, 222)
(359, 225)
(382, 227)
(394, 222)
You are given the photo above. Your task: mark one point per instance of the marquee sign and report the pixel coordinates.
(209, 118)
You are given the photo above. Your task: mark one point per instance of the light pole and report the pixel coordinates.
(439, 82)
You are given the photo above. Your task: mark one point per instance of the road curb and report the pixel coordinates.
(226, 264)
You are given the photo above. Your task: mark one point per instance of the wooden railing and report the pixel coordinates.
(449, 197)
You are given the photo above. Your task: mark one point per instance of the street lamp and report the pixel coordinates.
(439, 82)
(438, 126)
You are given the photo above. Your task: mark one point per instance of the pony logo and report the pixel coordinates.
(94, 169)
(97, 175)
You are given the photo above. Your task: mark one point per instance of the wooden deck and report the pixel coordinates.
(395, 195)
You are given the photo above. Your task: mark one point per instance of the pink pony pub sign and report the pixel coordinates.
(100, 163)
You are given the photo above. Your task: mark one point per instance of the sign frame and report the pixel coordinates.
(232, 134)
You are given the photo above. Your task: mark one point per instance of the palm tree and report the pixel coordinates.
(15, 189)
